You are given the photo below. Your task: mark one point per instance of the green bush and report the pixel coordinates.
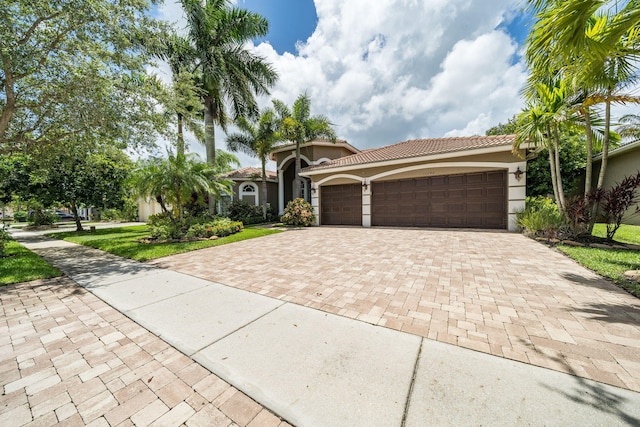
(298, 212)
(111, 215)
(220, 227)
(5, 237)
(165, 227)
(240, 210)
(39, 217)
(20, 216)
(541, 217)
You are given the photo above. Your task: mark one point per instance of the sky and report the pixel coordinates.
(387, 71)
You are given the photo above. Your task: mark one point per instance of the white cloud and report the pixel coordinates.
(391, 70)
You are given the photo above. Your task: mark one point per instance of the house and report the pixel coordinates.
(470, 182)
(622, 162)
(312, 153)
(247, 186)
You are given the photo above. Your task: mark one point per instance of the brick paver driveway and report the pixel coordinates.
(495, 292)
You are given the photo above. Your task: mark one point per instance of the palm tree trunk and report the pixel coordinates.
(210, 144)
(556, 149)
(605, 156)
(180, 143)
(297, 187)
(605, 142)
(552, 168)
(589, 165)
(264, 190)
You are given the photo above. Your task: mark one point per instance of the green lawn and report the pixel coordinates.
(611, 263)
(22, 265)
(625, 234)
(123, 241)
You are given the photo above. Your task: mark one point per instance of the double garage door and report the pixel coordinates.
(475, 200)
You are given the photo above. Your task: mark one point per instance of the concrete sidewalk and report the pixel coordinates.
(318, 369)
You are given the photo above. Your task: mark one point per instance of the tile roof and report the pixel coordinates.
(417, 148)
(249, 173)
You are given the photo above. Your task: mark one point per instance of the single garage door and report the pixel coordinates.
(341, 204)
(474, 200)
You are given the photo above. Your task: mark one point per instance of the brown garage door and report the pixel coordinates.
(475, 200)
(341, 204)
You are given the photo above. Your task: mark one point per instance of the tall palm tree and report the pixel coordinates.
(231, 75)
(185, 95)
(257, 139)
(298, 126)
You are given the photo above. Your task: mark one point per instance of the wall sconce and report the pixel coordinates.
(518, 174)
(364, 184)
(313, 189)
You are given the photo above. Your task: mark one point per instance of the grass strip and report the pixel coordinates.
(22, 265)
(611, 263)
(123, 241)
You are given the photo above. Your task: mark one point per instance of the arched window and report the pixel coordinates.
(249, 193)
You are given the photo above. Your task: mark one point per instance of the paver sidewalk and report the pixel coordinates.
(67, 357)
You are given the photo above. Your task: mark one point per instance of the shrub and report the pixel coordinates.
(39, 217)
(5, 237)
(20, 216)
(541, 217)
(111, 215)
(240, 210)
(298, 212)
(220, 227)
(615, 202)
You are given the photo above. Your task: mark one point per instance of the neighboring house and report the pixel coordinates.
(247, 186)
(470, 182)
(312, 153)
(622, 162)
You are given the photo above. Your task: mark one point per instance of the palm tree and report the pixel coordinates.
(231, 75)
(257, 139)
(298, 126)
(596, 46)
(185, 95)
(630, 126)
(542, 123)
(175, 179)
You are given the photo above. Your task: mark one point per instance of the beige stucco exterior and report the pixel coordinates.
(486, 159)
(621, 163)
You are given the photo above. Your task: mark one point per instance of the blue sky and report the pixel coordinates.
(292, 21)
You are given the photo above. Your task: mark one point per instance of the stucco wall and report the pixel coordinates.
(618, 168)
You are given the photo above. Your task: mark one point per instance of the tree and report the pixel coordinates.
(298, 126)
(70, 71)
(595, 45)
(257, 139)
(186, 99)
(630, 126)
(542, 123)
(176, 179)
(69, 176)
(231, 75)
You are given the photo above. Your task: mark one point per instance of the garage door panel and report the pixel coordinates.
(341, 204)
(475, 200)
